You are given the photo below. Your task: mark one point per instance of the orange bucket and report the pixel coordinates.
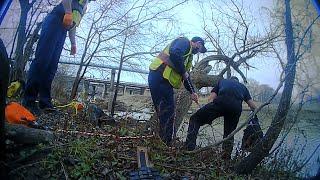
(17, 114)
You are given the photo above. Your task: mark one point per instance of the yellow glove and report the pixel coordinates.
(67, 20)
(13, 88)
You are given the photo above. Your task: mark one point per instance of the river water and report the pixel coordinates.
(299, 144)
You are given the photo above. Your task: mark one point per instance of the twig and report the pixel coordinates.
(24, 166)
(127, 158)
(64, 171)
(299, 168)
(293, 123)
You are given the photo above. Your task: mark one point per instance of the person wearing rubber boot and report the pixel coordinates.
(65, 17)
(225, 100)
(170, 69)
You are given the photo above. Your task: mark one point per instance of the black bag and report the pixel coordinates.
(252, 134)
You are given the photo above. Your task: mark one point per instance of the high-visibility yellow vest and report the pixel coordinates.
(78, 11)
(169, 73)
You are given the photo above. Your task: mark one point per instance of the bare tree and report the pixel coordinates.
(31, 14)
(115, 20)
(294, 52)
(21, 34)
(126, 36)
(243, 53)
(97, 25)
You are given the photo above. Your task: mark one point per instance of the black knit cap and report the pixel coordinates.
(203, 49)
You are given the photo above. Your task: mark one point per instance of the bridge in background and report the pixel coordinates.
(108, 85)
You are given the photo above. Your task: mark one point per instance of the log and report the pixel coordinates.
(25, 135)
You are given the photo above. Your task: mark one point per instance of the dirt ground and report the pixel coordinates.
(84, 151)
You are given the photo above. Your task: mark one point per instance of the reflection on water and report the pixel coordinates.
(303, 138)
(142, 115)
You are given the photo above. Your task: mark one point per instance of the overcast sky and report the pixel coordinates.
(268, 70)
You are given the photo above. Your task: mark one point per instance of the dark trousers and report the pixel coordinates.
(163, 100)
(43, 68)
(224, 106)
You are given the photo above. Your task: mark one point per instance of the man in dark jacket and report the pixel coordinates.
(170, 69)
(64, 18)
(227, 97)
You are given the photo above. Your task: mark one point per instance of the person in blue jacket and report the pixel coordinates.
(225, 100)
(170, 69)
(64, 18)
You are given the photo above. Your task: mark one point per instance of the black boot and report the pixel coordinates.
(227, 147)
(47, 107)
(32, 107)
(193, 130)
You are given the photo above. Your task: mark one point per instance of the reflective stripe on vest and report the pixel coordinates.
(77, 11)
(169, 72)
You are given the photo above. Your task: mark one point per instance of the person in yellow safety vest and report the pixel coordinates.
(170, 69)
(64, 18)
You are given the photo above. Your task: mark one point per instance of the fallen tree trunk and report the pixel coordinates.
(25, 135)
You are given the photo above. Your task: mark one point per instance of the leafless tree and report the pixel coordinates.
(246, 47)
(31, 15)
(295, 52)
(112, 21)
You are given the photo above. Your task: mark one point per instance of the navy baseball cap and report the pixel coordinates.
(234, 78)
(203, 49)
